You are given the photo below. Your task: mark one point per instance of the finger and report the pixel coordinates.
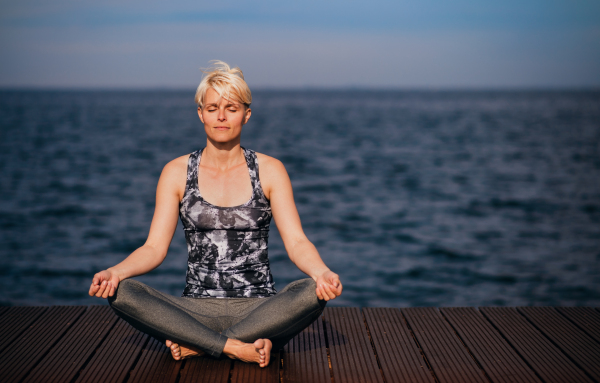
(96, 284)
(335, 281)
(106, 291)
(328, 291)
(99, 293)
(324, 295)
(93, 290)
(319, 295)
(112, 290)
(101, 289)
(336, 284)
(331, 292)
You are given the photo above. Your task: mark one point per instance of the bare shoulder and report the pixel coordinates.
(176, 168)
(272, 173)
(174, 175)
(270, 165)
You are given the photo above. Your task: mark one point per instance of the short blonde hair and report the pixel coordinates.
(227, 82)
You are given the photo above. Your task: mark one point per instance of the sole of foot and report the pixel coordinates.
(258, 352)
(180, 352)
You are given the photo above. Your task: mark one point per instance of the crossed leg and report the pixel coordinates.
(241, 328)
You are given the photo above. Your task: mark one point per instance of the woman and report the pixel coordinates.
(225, 202)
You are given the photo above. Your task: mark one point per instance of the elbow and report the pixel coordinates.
(157, 254)
(297, 247)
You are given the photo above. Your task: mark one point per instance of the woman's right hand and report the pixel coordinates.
(104, 284)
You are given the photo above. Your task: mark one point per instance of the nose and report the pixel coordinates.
(221, 116)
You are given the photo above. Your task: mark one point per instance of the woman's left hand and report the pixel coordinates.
(328, 286)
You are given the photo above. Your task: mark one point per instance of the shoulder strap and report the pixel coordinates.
(252, 163)
(192, 170)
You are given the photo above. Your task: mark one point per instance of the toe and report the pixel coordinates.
(264, 363)
(259, 343)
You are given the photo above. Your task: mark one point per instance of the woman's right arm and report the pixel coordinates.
(169, 192)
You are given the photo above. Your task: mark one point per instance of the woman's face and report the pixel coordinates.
(222, 118)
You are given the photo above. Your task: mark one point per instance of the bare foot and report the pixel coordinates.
(257, 352)
(180, 352)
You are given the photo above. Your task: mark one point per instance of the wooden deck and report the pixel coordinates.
(524, 344)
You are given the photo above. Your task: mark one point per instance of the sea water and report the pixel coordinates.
(415, 198)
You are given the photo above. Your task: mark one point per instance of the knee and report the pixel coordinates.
(125, 294)
(304, 291)
(302, 286)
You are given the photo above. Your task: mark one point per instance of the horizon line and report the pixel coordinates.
(574, 88)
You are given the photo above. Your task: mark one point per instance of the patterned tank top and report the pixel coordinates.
(227, 246)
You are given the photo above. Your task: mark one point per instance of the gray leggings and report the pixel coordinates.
(207, 323)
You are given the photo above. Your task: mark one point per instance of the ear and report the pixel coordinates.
(248, 114)
(200, 114)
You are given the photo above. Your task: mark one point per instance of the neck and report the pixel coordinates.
(222, 155)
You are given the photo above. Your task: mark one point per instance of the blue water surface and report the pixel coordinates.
(425, 198)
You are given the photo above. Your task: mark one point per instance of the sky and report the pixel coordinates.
(431, 44)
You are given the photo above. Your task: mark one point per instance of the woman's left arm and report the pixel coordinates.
(278, 189)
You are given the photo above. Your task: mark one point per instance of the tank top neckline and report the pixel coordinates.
(196, 186)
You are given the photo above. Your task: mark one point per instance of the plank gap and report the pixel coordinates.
(327, 349)
(511, 345)
(230, 377)
(66, 329)
(465, 346)
(84, 365)
(565, 353)
(412, 333)
(586, 331)
(137, 358)
(373, 345)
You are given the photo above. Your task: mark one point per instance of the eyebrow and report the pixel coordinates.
(227, 105)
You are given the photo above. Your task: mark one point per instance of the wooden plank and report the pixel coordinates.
(251, 373)
(352, 357)
(206, 370)
(64, 361)
(525, 345)
(116, 355)
(497, 358)
(550, 364)
(36, 341)
(156, 365)
(586, 318)
(400, 357)
(581, 348)
(305, 356)
(3, 310)
(16, 321)
(449, 359)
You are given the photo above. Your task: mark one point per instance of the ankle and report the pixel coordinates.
(232, 346)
